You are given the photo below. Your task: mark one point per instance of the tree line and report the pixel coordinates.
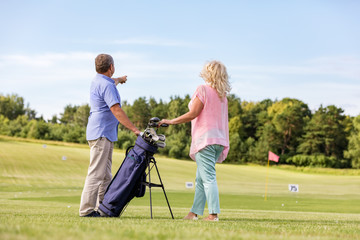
(325, 137)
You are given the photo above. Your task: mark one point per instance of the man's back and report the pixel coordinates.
(103, 95)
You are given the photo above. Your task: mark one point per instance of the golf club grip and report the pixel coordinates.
(164, 125)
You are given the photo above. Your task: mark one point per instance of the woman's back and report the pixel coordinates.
(211, 126)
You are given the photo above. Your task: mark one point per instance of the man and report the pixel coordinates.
(102, 132)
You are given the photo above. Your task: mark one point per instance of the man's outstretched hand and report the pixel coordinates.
(121, 80)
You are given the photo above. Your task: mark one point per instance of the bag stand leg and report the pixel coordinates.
(150, 185)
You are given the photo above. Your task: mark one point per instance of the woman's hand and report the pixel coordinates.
(196, 108)
(166, 121)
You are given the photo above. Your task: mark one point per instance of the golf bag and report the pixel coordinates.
(129, 179)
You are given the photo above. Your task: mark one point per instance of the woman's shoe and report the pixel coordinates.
(211, 219)
(192, 217)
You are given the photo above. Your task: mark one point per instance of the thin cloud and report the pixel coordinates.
(153, 42)
(343, 66)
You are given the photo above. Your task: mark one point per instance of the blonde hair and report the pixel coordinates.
(214, 73)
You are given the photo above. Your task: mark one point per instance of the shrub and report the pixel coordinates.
(318, 160)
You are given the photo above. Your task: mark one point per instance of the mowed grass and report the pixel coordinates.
(40, 195)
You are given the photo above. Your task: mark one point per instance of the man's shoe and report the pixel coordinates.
(93, 214)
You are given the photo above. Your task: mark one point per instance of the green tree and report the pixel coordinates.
(16, 126)
(68, 116)
(177, 145)
(254, 116)
(81, 115)
(289, 117)
(11, 106)
(57, 131)
(177, 107)
(75, 133)
(139, 113)
(30, 113)
(178, 136)
(269, 140)
(353, 151)
(158, 109)
(4, 125)
(325, 133)
(54, 119)
(236, 138)
(234, 106)
(236, 126)
(37, 129)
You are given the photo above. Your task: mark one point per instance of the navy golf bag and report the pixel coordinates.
(130, 179)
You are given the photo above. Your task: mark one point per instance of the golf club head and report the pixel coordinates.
(161, 144)
(161, 137)
(150, 134)
(152, 124)
(154, 119)
(154, 136)
(146, 135)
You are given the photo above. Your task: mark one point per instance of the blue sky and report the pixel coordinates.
(309, 50)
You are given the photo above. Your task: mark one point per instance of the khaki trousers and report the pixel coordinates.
(99, 175)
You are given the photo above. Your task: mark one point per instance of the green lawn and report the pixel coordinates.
(40, 195)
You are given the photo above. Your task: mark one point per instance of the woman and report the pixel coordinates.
(210, 136)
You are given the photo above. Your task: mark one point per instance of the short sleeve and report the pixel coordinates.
(200, 94)
(111, 95)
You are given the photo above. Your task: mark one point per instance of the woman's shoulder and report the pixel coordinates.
(210, 92)
(204, 87)
(201, 86)
(200, 89)
(207, 89)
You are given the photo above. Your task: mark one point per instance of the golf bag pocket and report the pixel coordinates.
(140, 187)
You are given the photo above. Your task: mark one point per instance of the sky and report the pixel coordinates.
(303, 49)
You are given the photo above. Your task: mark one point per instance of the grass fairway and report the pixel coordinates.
(40, 195)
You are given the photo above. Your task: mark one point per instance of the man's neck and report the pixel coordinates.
(108, 74)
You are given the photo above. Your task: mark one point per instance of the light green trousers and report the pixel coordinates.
(206, 188)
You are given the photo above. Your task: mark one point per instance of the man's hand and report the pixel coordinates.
(121, 80)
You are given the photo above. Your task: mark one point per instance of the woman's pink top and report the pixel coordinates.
(211, 126)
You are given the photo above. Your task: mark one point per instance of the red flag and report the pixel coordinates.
(273, 157)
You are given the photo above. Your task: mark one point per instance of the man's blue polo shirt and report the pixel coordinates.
(103, 95)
